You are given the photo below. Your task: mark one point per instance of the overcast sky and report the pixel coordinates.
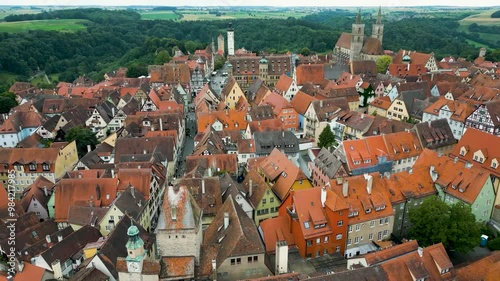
(325, 3)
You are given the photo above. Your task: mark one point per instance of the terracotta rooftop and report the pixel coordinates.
(391, 252)
(434, 134)
(313, 73)
(474, 140)
(485, 269)
(177, 267)
(301, 102)
(402, 145)
(284, 83)
(179, 210)
(274, 230)
(206, 191)
(365, 152)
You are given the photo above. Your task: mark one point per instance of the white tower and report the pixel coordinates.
(230, 40)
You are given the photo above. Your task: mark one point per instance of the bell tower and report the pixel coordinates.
(378, 27)
(135, 250)
(357, 38)
(230, 40)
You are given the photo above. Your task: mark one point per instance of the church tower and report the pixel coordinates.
(220, 44)
(135, 250)
(230, 40)
(263, 69)
(357, 38)
(378, 27)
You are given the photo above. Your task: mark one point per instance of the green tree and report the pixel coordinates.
(435, 221)
(135, 70)
(326, 138)
(162, 57)
(219, 63)
(305, 51)
(7, 101)
(383, 63)
(83, 137)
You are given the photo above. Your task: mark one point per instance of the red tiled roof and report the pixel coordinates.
(283, 83)
(313, 73)
(274, 230)
(301, 102)
(485, 269)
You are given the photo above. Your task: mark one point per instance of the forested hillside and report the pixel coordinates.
(121, 38)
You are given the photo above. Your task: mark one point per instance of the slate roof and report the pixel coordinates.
(285, 141)
(71, 245)
(83, 215)
(435, 134)
(240, 238)
(261, 112)
(131, 202)
(328, 163)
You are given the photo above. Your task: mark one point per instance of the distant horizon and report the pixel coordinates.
(254, 3)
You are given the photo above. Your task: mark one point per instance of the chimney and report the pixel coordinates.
(47, 238)
(45, 192)
(321, 103)
(362, 116)
(161, 125)
(173, 213)
(455, 159)
(345, 188)
(283, 134)
(410, 171)
(89, 148)
(91, 201)
(420, 251)
(468, 165)
(250, 187)
(132, 191)
(369, 183)
(113, 173)
(59, 238)
(434, 174)
(209, 172)
(323, 196)
(226, 220)
(281, 257)
(144, 151)
(112, 112)
(202, 186)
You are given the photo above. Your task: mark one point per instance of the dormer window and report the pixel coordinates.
(369, 210)
(45, 167)
(494, 164)
(32, 167)
(445, 270)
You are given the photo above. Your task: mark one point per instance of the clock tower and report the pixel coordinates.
(135, 250)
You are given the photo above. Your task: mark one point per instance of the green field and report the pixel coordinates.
(483, 18)
(6, 12)
(159, 15)
(59, 25)
(190, 15)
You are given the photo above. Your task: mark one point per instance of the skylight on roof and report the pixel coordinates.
(306, 225)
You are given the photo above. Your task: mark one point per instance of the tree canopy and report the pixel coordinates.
(383, 63)
(7, 101)
(326, 138)
(83, 137)
(454, 225)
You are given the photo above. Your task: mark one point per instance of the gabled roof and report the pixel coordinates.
(474, 140)
(308, 208)
(284, 83)
(179, 210)
(206, 191)
(344, 40)
(364, 151)
(382, 102)
(90, 192)
(415, 57)
(265, 142)
(301, 102)
(434, 134)
(391, 252)
(383, 125)
(71, 245)
(453, 176)
(37, 191)
(372, 46)
(216, 162)
(276, 101)
(367, 67)
(21, 120)
(131, 202)
(231, 119)
(277, 167)
(240, 238)
(313, 73)
(485, 269)
(83, 215)
(259, 187)
(261, 112)
(163, 146)
(402, 145)
(328, 163)
(274, 230)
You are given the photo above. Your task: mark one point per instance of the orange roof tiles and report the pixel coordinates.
(301, 102)
(416, 57)
(274, 230)
(277, 167)
(391, 252)
(283, 83)
(311, 213)
(403, 70)
(382, 102)
(94, 192)
(177, 267)
(373, 147)
(458, 180)
(485, 269)
(402, 145)
(474, 140)
(230, 118)
(314, 73)
(276, 101)
(359, 199)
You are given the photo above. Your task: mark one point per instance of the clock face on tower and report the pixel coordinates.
(133, 266)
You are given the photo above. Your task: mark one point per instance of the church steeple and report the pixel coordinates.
(135, 249)
(378, 27)
(357, 38)
(379, 16)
